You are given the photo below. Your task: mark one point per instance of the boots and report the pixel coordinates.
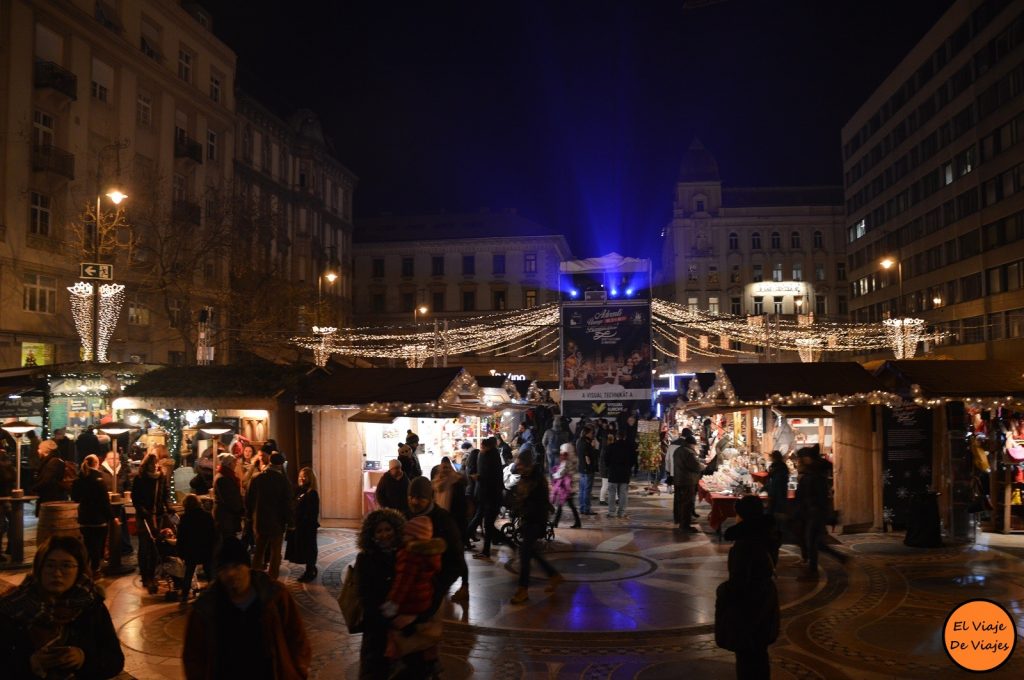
(521, 596)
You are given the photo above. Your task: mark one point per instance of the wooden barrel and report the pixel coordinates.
(57, 518)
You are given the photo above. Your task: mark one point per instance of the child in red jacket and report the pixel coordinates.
(412, 590)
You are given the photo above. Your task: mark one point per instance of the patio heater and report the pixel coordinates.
(215, 430)
(18, 429)
(115, 430)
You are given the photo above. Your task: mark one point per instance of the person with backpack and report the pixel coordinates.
(53, 478)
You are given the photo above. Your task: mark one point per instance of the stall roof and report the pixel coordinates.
(757, 382)
(358, 386)
(954, 378)
(219, 382)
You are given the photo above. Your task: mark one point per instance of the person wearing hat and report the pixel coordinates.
(393, 488)
(453, 561)
(246, 610)
(49, 476)
(686, 470)
(269, 510)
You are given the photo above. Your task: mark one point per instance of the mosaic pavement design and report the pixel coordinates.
(638, 603)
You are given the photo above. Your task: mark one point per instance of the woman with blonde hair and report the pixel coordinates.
(302, 547)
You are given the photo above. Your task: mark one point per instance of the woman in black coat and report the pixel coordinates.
(196, 538)
(149, 495)
(94, 511)
(228, 507)
(302, 547)
(379, 539)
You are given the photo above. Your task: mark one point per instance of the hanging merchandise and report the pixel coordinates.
(1015, 498)
(1013, 448)
(649, 444)
(980, 456)
(1018, 477)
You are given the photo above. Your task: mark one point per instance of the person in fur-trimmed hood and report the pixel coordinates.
(412, 590)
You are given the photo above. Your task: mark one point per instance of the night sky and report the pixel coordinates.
(575, 113)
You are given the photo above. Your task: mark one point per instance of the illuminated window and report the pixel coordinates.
(777, 271)
(798, 271)
(693, 304)
(530, 298)
(713, 305)
(758, 305)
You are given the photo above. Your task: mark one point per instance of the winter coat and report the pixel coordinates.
(489, 487)
(563, 482)
(393, 493)
(686, 468)
(778, 488)
(196, 536)
(269, 503)
(553, 440)
(471, 468)
(88, 443)
(302, 540)
(453, 561)
(585, 449)
(620, 460)
(48, 479)
(148, 494)
(283, 633)
(747, 605)
(416, 564)
(93, 502)
(812, 495)
(532, 498)
(116, 482)
(228, 507)
(411, 466)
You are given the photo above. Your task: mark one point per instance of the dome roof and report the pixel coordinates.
(698, 164)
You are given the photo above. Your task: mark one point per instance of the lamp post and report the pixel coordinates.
(18, 429)
(115, 430)
(331, 278)
(116, 196)
(887, 264)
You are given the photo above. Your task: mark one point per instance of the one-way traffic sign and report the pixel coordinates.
(95, 270)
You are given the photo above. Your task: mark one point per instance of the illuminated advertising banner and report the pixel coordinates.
(606, 358)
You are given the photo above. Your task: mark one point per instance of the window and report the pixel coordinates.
(530, 298)
(178, 188)
(150, 40)
(42, 124)
(734, 241)
(995, 327)
(777, 271)
(713, 305)
(693, 304)
(735, 306)
(138, 312)
(377, 267)
(377, 302)
(758, 305)
(211, 145)
(102, 80)
(840, 271)
(40, 294)
(498, 263)
(40, 215)
(174, 306)
(819, 240)
(530, 263)
(758, 273)
(407, 266)
(408, 301)
(841, 305)
(798, 271)
(144, 109)
(499, 299)
(691, 272)
(794, 240)
(819, 305)
(438, 299)
(468, 300)
(437, 265)
(734, 274)
(185, 60)
(468, 265)
(755, 241)
(777, 300)
(700, 206)
(776, 240)
(712, 275)
(215, 87)
(819, 271)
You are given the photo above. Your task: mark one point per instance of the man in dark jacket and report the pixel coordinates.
(393, 488)
(87, 443)
(489, 492)
(49, 476)
(453, 561)
(65, 447)
(812, 498)
(587, 452)
(619, 459)
(504, 449)
(686, 469)
(270, 513)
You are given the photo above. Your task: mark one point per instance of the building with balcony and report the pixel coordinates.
(753, 251)
(933, 166)
(456, 266)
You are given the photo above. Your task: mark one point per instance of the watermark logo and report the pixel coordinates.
(979, 635)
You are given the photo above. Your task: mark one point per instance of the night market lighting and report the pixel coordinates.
(82, 300)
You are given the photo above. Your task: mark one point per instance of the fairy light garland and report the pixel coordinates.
(111, 302)
(903, 335)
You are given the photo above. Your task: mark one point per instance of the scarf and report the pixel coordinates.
(43, 618)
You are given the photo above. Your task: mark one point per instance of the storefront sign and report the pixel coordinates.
(36, 354)
(779, 288)
(606, 358)
(906, 463)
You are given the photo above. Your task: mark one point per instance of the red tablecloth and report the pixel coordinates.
(723, 506)
(369, 501)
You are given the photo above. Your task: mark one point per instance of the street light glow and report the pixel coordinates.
(423, 309)
(331, 277)
(116, 196)
(887, 263)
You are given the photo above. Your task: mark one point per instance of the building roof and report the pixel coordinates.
(363, 386)
(778, 197)
(954, 378)
(756, 382)
(218, 382)
(698, 165)
(442, 227)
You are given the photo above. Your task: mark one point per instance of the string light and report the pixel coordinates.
(81, 313)
(111, 302)
(903, 336)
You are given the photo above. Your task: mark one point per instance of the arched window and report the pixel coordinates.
(755, 241)
(794, 239)
(776, 240)
(734, 241)
(819, 240)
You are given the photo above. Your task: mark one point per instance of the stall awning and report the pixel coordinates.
(758, 382)
(955, 379)
(714, 409)
(372, 417)
(802, 412)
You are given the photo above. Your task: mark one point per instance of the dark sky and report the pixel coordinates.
(574, 112)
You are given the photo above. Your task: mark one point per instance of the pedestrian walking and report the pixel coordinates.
(620, 460)
(586, 452)
(270, 511)
(150, 500)
(379, 538)
(489, 495)
(563, 484)
(531, 498)
(94, 511)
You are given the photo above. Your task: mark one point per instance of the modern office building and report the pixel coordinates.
(933, 166)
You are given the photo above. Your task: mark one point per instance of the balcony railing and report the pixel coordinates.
(49, 158)
(186, 147)
(185, 211)
(55, 77)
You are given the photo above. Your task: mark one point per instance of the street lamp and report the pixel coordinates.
(116, 196)
(16, 532)
(331, 278)
(936, 301)
(888, 263)
(116, 429)
(422, 309)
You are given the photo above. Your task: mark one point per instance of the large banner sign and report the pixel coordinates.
(606, 358)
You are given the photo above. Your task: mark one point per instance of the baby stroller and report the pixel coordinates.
(170, 569)
(512, 530)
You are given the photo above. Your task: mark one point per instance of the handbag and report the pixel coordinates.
(424, 636)
(348, 601)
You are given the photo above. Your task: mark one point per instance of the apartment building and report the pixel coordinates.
(934, 167)
(753, 251)
(94, 94)
(457, 266)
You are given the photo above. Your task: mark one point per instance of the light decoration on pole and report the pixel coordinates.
(809, 349)
(321, 352)
(903, 335)
(111, 301)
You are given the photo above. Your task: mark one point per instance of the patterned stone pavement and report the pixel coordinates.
(638, 603)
